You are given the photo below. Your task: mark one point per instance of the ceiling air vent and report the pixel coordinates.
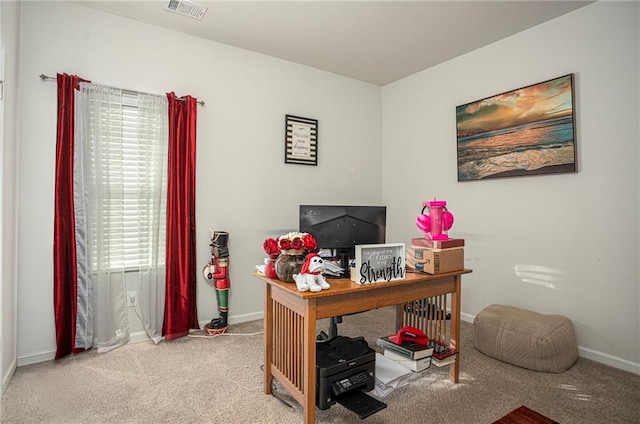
(186, 8)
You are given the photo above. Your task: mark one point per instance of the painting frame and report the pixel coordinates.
(530, 130)
(301, 140)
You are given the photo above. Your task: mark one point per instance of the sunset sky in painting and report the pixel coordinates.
(551, 99)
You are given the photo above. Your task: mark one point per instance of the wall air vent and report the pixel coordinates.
(186, 8)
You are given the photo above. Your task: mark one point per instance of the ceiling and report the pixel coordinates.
(373, 41)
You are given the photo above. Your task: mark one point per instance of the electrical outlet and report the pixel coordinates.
(132, 299)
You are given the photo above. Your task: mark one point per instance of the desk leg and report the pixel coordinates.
(268, 338)
(309, 354)
(454, 370)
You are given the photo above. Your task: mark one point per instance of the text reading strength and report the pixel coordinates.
(369, 274)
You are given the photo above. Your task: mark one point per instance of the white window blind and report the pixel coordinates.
(128, 166)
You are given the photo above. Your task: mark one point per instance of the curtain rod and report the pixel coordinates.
(44, 77)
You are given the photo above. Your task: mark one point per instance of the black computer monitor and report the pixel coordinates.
(341, 228)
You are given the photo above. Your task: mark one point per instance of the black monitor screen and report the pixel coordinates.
(341, 228)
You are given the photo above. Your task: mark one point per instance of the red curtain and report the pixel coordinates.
(180, 312)
(64, 240)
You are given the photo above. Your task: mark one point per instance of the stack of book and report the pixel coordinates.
(418, 357)
(435, 256)
(411, 355)
(443, 355)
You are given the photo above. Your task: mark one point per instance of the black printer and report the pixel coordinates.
(345, 369)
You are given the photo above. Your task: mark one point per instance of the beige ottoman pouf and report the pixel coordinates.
(525, 338)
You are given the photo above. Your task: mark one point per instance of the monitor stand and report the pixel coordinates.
(333, 330)
(345, 263)
(333, 324)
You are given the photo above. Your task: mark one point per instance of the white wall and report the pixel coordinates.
(243, 185)
(583, 225)
(10, 42)
(580, 229)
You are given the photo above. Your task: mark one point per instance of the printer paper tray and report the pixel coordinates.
(361, 403)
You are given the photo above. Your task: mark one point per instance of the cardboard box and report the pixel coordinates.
(435, 261)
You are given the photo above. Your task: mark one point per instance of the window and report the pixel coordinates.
(126, 178)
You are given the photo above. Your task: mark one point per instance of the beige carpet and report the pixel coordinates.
(218, 380)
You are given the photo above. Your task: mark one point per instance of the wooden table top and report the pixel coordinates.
(341, 286)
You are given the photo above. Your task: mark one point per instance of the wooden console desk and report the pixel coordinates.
(290, 323)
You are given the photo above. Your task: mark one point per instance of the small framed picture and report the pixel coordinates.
(301, 140)
(380, 262)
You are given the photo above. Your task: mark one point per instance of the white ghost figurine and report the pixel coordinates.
(310, 277)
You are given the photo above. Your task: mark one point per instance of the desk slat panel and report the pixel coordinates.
(428, 314)
(287, 344)
(287, 385)
(442, 321)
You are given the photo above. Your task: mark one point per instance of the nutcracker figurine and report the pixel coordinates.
(218, 271)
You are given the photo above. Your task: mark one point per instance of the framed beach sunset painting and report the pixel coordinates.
(528, 131)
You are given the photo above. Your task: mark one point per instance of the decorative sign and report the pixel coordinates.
(301, 140)
(379, 262)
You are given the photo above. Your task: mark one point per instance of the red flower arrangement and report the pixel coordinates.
(290, 241)
(271, 248)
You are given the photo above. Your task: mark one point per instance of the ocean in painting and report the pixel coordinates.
(535, 148)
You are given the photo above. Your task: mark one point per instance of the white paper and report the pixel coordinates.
(389, 371)
(390, 375)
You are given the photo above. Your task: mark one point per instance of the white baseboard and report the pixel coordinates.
(34, 358)
(466, 317)
(136, 337)
(7, 378)
(610, 360)
(586, 353)
(247, 317)
(238, 319)
(141, 336)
